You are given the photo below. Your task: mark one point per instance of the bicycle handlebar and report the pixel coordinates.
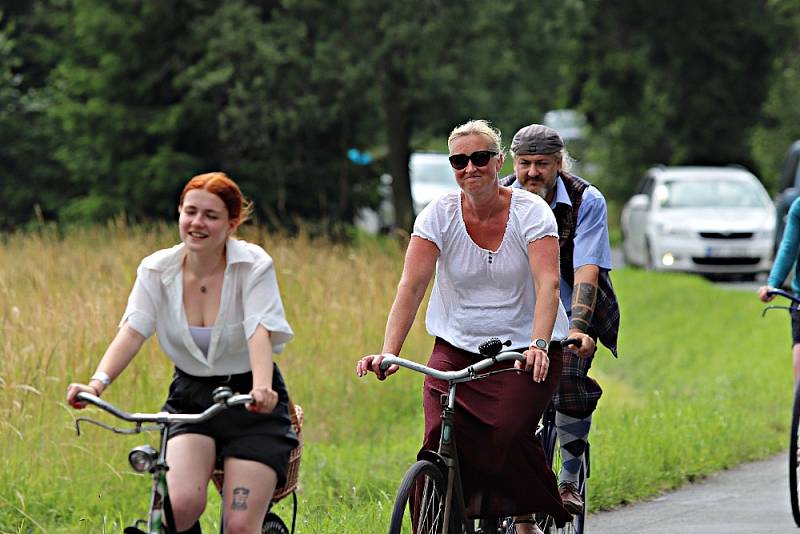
(451, 375)
(163, 418)
(782, 293)
(470, 371)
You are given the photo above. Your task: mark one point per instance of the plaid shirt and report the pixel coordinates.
(605, 320)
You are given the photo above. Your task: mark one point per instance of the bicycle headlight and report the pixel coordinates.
(142, 458)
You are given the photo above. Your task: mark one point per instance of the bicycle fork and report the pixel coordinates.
(448, 452)
(159, 503)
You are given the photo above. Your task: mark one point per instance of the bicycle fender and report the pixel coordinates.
(433, 457)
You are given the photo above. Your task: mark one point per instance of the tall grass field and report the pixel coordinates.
(702, 382)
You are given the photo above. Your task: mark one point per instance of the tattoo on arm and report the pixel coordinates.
(584, 299)
(240, 496)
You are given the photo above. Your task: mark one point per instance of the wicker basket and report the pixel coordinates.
(293, 470)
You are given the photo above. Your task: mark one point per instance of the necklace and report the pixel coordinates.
(204, 286)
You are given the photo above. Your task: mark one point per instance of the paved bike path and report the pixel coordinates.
(753, 497)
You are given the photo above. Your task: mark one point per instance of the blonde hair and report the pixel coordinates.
(478, 127)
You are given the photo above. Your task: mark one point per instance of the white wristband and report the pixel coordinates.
(102, 377)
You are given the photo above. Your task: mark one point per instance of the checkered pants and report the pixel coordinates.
(577, 393)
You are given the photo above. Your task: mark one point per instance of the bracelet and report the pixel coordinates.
(102, 377)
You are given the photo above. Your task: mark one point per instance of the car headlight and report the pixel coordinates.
(143, 458)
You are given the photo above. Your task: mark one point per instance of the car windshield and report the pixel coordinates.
(708, 193)
(432, 169)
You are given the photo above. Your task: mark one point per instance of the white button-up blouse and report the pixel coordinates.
(250, 297)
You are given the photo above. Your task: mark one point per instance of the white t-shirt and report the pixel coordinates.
(250, 297)
(479, 293)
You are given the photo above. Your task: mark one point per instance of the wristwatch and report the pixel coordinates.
(102, 377)
(540, 344)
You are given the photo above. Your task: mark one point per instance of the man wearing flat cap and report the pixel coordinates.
(541, 165)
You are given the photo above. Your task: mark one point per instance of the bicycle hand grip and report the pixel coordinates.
(87, 397)
(571, 341)
(782, 293)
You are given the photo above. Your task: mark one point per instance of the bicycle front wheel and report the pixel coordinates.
(793, 451)
(420, 502)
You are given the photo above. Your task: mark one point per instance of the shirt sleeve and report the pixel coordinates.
(537, 221)
(141, 311)
(428, 224)
(788, 250)
(263, 305)
(591, 233)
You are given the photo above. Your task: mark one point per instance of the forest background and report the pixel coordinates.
(108, 106)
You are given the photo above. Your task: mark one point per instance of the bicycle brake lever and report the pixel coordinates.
(765, 310)
(138, 430)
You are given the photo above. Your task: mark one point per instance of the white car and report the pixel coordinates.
(431, 176)
(710, 220)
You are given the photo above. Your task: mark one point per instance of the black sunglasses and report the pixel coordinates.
(479, 159)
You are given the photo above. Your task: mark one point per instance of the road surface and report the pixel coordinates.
(752, 498)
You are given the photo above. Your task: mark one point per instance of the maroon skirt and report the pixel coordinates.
(503, 468)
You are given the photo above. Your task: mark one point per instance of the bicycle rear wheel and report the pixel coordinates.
(793, 451)
(420, 502)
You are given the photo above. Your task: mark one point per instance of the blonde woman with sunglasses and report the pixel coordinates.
(494, 252)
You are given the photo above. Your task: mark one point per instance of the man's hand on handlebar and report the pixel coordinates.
(72, 392)
(372, 363)
(584, 344)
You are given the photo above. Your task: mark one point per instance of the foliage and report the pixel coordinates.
(673, 83)
(780, 121)
(107, 107)
(673, 408)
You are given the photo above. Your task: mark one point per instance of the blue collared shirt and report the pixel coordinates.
(591, 243)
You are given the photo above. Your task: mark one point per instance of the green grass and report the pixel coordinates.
(702, 383)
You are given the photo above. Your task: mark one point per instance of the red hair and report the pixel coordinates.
(218, 183)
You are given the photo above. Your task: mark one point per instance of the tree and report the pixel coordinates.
(30, 180)
(780, 121)
(675, 83)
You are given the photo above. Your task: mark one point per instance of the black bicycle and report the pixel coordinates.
(795, 426)
(147, 459)
(552, 452)
(429, 499)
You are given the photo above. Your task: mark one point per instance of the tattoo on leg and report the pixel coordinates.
(240, 495)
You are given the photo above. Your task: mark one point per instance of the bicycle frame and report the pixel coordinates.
(159, 497)
(447, 455)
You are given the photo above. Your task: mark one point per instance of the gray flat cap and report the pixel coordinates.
(536, 139)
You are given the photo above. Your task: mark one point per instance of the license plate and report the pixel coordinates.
(727, 252)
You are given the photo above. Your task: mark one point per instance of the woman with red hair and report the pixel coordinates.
(213, 302)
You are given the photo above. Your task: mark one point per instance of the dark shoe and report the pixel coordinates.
(573, 503)
(526, 526)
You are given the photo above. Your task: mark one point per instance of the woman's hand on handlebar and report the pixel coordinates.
(536, 362)
(762, 293)
(372, 363)
(264, 400)
(72, 392)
